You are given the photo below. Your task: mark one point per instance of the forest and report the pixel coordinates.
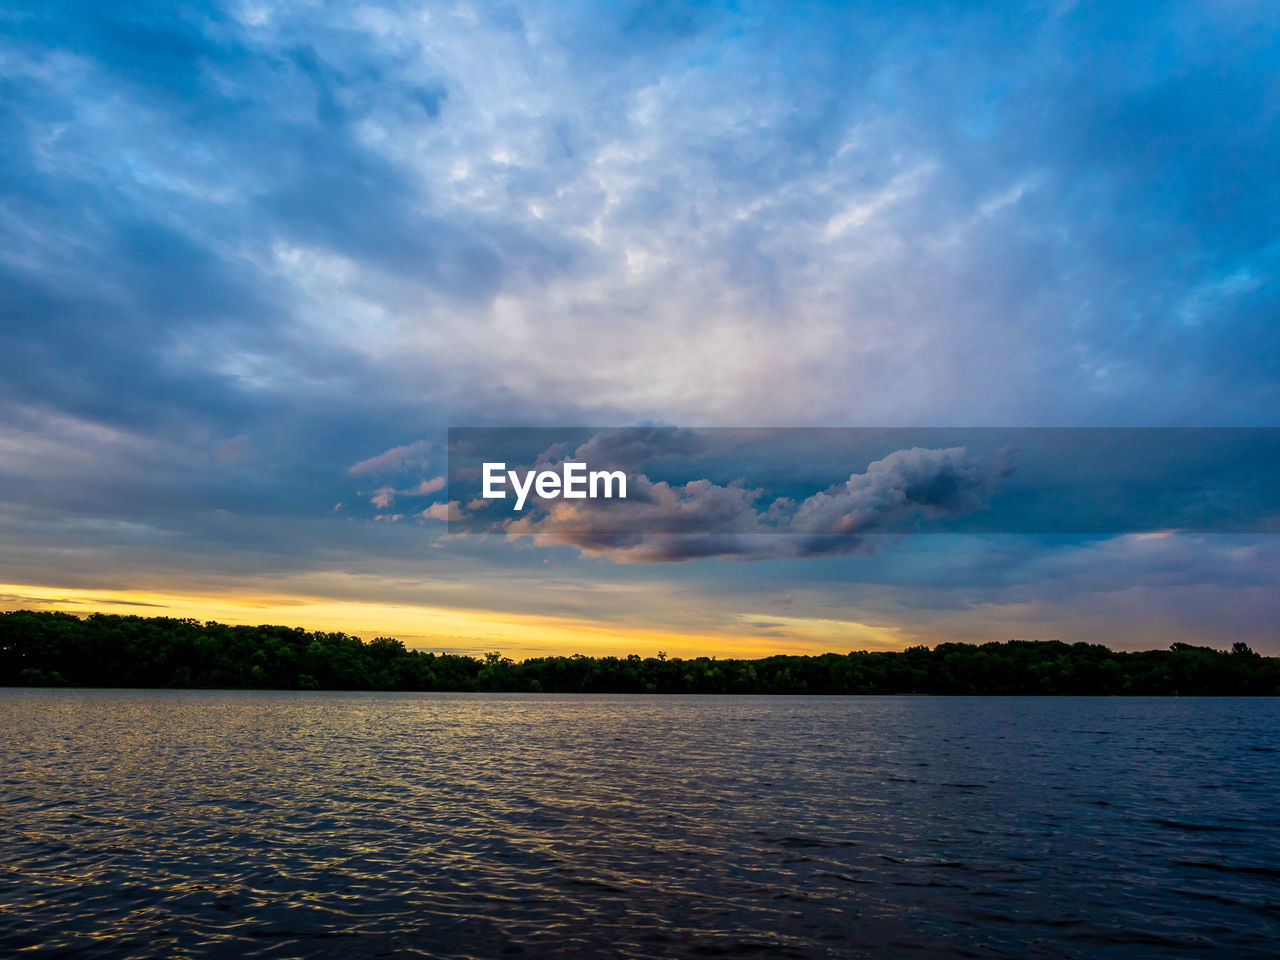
(105, 650)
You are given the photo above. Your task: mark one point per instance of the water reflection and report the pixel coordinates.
(152, 823)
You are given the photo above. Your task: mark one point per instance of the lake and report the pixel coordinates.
(138, 823)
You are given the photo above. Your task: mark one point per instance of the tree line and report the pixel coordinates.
(106, 650)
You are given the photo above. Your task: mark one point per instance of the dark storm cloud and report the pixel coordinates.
(627, 449)
(664, 522)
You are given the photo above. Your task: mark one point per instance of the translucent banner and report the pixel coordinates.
(597, 485)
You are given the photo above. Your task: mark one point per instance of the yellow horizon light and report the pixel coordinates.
(454, 630)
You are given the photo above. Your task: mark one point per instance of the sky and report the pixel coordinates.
(256, 259)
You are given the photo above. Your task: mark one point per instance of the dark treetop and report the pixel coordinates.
(104, 650)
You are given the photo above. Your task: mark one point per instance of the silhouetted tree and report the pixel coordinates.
(55, 649)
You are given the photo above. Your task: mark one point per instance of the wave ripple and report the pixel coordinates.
(139, 824)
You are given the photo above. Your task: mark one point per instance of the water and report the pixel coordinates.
(194, 824)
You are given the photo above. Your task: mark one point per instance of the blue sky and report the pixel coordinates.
(245, 248)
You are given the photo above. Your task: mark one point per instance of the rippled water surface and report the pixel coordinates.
(186, 824)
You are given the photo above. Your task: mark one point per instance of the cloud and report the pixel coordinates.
(383, 497)
(243, 248)
(442, 511)
(930, 483)
(628, 448)
(19, 601)
(426, 487)
(397, 458)
(661, 522)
